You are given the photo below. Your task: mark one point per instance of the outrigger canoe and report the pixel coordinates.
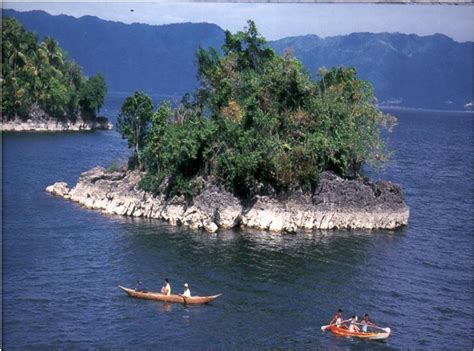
(193, 300)
(383, 334)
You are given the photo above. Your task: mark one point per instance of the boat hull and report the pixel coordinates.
(193, 300)
(361, 335)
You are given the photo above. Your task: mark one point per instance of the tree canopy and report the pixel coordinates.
(132, 122)
(259, 122)
(41, 74)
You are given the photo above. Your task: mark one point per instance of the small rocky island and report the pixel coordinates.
(335, 204)
(261, 144)
(42, 90)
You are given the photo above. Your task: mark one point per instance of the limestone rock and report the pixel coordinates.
(55, 125)
(219, 205)
(336, 204)
(59, 189)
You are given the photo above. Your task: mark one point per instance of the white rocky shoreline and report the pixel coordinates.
(54, 125)
(335, 204)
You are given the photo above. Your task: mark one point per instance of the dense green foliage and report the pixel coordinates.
(133, 119)
(40, 74)
(259, 121)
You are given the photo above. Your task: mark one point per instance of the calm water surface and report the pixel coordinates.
(62, 263)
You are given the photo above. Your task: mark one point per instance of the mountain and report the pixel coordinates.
(406, 70)
(432, 71)
(158, 59)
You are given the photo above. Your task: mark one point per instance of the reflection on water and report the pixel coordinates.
(260, 255)
(164, 307)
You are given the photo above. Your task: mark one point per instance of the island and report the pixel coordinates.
(260, 144)
(43, 90)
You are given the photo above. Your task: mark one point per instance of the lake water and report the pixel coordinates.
(62, 263)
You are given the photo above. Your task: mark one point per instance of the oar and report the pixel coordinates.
(387, 330)
(324, 327)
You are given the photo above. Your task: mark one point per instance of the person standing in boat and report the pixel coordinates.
(166, 289)
(366, 323)
(337, 319)
(187, 292)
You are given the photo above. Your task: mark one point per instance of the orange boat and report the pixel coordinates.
(193, 300)
(383, 334)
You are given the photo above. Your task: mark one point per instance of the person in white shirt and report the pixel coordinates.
(166, 289)
(366, 323)
(187, 292)
(353, 327)
(337, 319)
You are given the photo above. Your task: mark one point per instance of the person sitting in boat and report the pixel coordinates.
(337, 319)
(353, 325)
(140, 287)
(366, 323)
(187, 292)
(166, 289)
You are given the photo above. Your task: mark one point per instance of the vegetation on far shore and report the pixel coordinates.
(259, 123)
(40, 75)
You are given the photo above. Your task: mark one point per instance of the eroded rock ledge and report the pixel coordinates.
(336, 204)
(53, 125)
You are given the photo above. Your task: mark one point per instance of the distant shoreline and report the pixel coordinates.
(422, 109)
(177, 96)
(52, 126)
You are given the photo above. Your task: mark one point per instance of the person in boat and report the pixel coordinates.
(186, 292)
(337, 319)
(366, 323)
(166, 289)
(140, 287)
(353, 325)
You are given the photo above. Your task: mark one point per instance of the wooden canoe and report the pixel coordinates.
(193, 300)
(361, 335)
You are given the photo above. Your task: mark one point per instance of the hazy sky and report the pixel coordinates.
(281, 20)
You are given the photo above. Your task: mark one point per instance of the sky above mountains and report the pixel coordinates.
(276, 21)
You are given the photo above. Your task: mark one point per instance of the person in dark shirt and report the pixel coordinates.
(140, 287)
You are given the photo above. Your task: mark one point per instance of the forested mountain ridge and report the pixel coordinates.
(405, 70)
(409, 70)
(156, 59)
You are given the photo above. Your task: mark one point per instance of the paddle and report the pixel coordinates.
(387, 330)
(324, 327)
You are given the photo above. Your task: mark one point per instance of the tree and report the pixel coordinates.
(54, 54)
(132, 122)
(156, 135)
(92, 94)
(261, 123)
(39, 74)
(17, 68)
(57, 98)
(249, 46)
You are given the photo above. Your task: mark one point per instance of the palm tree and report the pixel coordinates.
(53, 52)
